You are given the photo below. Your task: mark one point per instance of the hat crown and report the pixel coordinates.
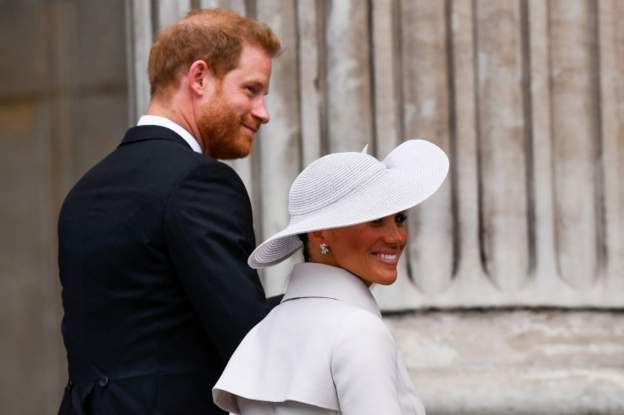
(329, 179)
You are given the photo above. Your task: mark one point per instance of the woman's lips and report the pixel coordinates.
(387, 258)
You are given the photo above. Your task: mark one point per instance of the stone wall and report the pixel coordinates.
(63, 105)
(514, 362)
(523, 95)
(511, 292)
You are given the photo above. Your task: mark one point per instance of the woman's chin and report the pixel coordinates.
(388, 281)
(383, 278)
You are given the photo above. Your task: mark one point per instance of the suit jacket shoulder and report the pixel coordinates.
(153, 243)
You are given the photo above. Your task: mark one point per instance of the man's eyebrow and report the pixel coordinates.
(258, 84)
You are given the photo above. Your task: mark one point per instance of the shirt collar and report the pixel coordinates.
(317, 280)
(167, 123)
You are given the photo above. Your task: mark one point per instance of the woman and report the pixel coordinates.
(325, 348)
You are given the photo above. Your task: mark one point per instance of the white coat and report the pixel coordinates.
(323, 350)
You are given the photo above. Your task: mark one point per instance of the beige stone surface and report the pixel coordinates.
(514, 362)
(63, 106)
(525, 95)
(280, 138)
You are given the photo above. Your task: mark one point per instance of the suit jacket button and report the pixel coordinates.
(103, 381)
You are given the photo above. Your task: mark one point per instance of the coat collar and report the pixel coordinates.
(310, 279)
(178, 129)
(152, 132)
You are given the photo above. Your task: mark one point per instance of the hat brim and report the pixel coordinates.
(414, 171)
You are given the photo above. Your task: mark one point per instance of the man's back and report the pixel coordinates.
(150, 242)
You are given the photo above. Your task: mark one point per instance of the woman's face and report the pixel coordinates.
(369, 250)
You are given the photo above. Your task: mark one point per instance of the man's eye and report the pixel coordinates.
(251, 90)
(400, 218)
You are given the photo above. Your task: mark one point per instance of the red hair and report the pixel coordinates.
(216, 36)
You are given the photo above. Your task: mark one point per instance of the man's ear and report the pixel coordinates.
(198, 74)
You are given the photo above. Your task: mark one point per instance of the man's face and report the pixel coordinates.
(233, 111)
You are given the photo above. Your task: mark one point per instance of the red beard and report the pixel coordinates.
(222, 130)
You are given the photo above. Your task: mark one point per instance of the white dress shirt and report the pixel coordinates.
(324, 350)
(176, 128)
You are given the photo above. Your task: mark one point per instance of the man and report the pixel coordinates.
(153, 240)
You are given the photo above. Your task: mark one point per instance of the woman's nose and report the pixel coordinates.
(395, 233)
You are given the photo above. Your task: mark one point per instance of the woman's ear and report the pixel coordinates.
(319, 244)
(316, 237)
(314, 234)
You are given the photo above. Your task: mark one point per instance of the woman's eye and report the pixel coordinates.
(400, 218)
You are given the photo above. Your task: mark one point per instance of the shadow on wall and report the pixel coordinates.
(63, 106)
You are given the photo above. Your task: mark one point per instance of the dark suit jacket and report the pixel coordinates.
(153, 243)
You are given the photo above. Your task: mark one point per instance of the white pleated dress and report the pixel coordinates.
(323, 350)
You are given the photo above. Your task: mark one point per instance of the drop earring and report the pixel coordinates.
(324, 249)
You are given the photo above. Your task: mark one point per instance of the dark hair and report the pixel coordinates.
(216, 35)
(306, 253)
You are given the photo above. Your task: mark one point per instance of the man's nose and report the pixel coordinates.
(260, 112)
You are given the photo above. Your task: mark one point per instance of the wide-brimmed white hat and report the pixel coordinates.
(344, 189)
